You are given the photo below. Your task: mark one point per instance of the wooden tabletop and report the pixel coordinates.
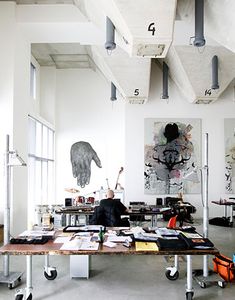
(78, 211)
(54, 249)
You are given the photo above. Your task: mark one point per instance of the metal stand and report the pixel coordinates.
(202, 276)
(189, 286)
(12, 279)
(26, 293)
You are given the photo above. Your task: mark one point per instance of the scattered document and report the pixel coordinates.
(192, 235)
(89, 246)
(110, 244)
(119, 239)
(82, 243)
(146, 246)
(62, 239)
(165, 231)
(82, 234)
(37, 233)
(71, 245)
(151, 237)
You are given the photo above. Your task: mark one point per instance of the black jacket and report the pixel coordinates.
(109, 213)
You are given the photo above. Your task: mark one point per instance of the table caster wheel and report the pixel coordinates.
(175, 276)
(30, 297)
(221, 284)
(52, 276)
(189, 295)
(203, 285)
(10, 286)
(19, 297)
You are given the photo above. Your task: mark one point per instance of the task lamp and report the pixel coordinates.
(12, 159)
(215, 82)
(165, 72)
(113, 92)
(110, 36)
(199, 39)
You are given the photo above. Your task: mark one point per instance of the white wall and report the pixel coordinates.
(84, 112)
(212, 117)
(48, 94)
(14, 99)
(20, 132)
(6, 83)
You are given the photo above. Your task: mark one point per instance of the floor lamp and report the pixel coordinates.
(204, 172)
(11, 159)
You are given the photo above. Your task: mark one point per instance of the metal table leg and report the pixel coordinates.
(154, 221)
(68, 219)
(29, 278)
(26, 293)
(189, 286)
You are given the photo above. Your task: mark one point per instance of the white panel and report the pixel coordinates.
(132, 20)
(49, 13)
(192, 71)
(79, 266)
(220, 21)
(131, 76)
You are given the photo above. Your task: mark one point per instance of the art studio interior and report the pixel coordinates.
(134, 96)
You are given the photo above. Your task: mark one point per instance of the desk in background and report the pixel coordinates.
(51, 248)
(71, 211)
(226, 204)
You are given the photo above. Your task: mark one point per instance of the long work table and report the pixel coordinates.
(87, 212)
(51, 248)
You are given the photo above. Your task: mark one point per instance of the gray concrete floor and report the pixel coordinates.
(123, 277)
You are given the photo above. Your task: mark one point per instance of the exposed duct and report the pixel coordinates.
(113, 92)
(165, 81)
(110, 35)
(192, 72)
(199, 39)
(215, 81)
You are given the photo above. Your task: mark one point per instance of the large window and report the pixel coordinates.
(41, 165)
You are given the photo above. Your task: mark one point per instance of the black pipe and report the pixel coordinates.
(165, 81)
(199, 40)
(215, 81)
(110, 35)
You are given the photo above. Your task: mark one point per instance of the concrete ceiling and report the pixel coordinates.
(174, 25)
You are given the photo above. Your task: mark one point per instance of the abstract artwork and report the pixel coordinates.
(229, 136)
(172, 152)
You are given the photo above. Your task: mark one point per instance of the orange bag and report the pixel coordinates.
(224, 266)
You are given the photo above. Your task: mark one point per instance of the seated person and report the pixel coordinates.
(109, 212)
(180, 208)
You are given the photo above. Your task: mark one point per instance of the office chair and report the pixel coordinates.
(107, 217)
(172, 222)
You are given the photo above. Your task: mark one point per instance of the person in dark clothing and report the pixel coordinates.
(109, 212)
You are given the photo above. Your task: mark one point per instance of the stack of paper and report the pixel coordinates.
(83, 243)
(37, 233)
(146, 246)
(119, 239)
